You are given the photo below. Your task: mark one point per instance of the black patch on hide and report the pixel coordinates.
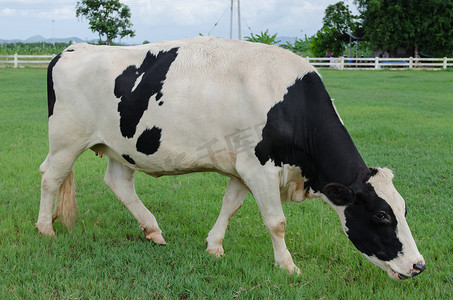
(51, 98)
(128, 159)
(134, 103)
(149, 141)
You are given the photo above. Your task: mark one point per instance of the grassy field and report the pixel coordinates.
(399, 119)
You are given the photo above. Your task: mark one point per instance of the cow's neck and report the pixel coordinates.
(333, 156)
(304, 130)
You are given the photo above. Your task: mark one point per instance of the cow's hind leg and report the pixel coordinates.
(232, 201)
(120, 179)
(56, 171)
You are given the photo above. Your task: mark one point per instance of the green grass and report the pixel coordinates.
(399, 119)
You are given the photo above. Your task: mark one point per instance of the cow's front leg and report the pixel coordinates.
(120, 179)
(232, 201)
(275, 221)
(263, 182)
(276, 226)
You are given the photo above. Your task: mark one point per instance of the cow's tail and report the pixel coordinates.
(66, 204)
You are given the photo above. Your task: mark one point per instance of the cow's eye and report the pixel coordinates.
(382, 216)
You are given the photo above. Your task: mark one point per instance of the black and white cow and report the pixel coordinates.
(255, 113)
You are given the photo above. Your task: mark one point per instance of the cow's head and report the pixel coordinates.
(373, 216)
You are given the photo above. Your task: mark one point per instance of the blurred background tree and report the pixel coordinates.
(415, 24)
(109, 18)
(338, 20)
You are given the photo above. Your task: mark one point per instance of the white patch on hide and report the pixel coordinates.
(137, 82)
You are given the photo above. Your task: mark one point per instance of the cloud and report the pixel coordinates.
(175, 12)
(60, 13)
(7, 12)
(285, 17)
(50, 9)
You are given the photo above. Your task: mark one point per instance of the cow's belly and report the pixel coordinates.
(176, 163)
(176, 149)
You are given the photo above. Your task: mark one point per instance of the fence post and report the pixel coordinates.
(376, 62)
(342, 62)
(411, 62)
(308, 59)
(15, 60)
(445, 63)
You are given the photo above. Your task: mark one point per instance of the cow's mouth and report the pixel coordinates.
(396, 275)
(402, 277)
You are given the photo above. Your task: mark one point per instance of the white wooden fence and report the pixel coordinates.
(381, 63)
(22, 60)
(322, 62)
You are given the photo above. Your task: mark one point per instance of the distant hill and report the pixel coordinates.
(41, 39)
(35, 39)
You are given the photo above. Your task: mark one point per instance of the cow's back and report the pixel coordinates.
(173, 107)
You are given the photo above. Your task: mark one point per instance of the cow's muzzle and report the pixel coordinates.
(417, 268)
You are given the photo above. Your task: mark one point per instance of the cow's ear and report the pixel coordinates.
(338, 194)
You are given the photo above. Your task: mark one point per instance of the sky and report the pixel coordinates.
(158, 20)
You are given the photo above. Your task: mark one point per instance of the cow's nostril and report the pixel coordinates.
(419, 267)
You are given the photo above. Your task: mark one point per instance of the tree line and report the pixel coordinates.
(419, 25)
(422, 27)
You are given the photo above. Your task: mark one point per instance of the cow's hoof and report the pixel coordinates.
(290, 267)
(214, 248)
(155, 236)
(295, 270)
(45, 230)
(217, 251)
